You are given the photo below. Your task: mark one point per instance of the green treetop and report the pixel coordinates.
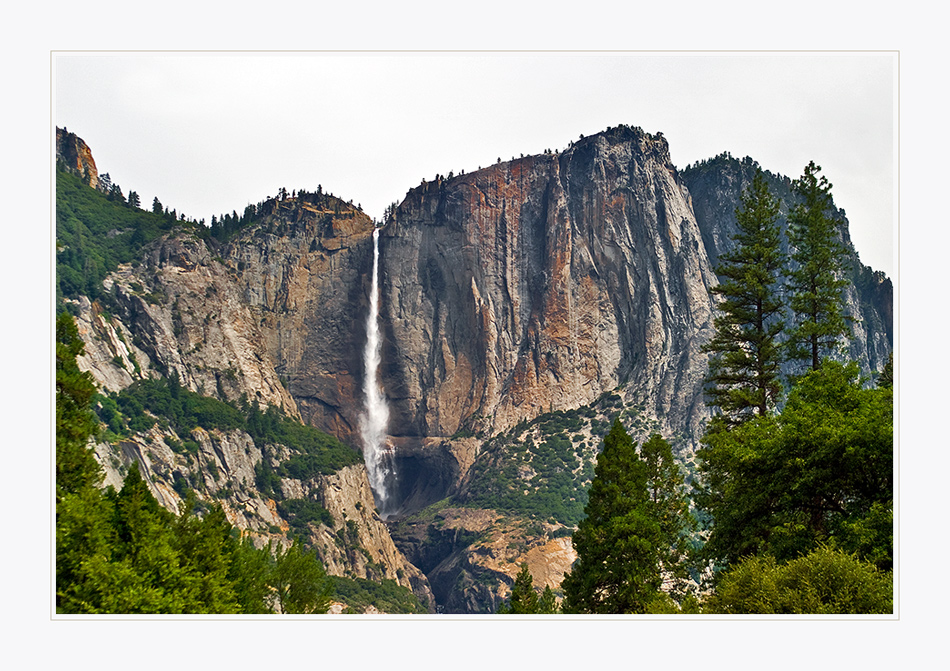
(618, 543)
(76, 467)
(819, 471)
(815, 282)
(744, 368)
(524, 598)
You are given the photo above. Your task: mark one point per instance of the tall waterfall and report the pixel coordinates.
(375, 416)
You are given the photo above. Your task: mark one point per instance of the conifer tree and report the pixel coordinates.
(670, 506)
(524, 598)
(815, 282)
(744, 368)
(617, 569)
(547, 604)
(76, 467)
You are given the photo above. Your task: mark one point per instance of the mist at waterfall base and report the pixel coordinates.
(377, 452)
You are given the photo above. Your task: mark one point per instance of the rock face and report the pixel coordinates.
(274, 316)
(354, 543)
(76, 156)
(540, 283)
(472, 556)
(304, 275)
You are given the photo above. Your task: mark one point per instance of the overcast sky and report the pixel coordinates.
(209, 133)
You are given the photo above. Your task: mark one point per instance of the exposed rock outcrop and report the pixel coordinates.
(533, 285)
(540, 283)
(353, 543)
(303, 272)
(76, 156)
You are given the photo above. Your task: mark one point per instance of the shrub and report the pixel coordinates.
(824, 581)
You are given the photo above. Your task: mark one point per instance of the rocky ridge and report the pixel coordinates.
(536, 285)
(236, 322)
(540, 283)
(76, 156)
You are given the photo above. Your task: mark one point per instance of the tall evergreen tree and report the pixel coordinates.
(524, 598)
(669, 504)
(76, 467)
(617, 568)
(815, 281)
(744, 368)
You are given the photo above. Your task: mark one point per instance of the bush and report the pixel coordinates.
(825, 581)
(300, 513)
(387, 596)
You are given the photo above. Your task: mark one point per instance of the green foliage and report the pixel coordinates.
(95, 233)
(825, 581)
(524, 599)
(820, 470)
(669, 504)
(315, 451)
(76, 467)
(184, 409)
(744, 368)
(554, 492)
(616, 570)
(300, 513)
(545, 478)
(319, 453)
(547, 604)
(121, 552)
(634, 533)
(386, 596)
(300, 584)
(815, 281)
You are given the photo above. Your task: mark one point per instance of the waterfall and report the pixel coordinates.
(377, 453)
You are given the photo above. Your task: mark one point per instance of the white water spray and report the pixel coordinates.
(375, 416)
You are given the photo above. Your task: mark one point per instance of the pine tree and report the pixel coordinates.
(670, 506)
(547, 604)
(744, 368)
(815, 281)
(76, 467)
(617, 569)
(524, 598)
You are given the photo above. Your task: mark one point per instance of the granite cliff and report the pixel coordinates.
(267, 315)
(76, 156)
(572, 286)
(540, 283)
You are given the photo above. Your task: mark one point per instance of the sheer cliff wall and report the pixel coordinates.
(543, 282)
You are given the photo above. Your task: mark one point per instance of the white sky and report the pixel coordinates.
(208, 133)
